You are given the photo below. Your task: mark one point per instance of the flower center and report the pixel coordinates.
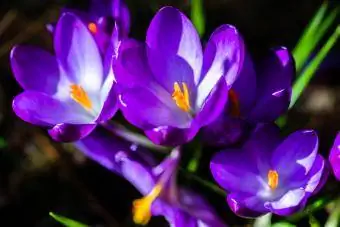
(181, 97)
(142, 207)
(79, 95)
(92, 27)
(273, 179)
(235, 104)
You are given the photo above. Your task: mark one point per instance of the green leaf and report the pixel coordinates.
(197, 16)
(195, 160)
(263, 221)
(66, 221)
(283, 224)
(302, 46)
(3, 143)
(313, 222)
(304, 79)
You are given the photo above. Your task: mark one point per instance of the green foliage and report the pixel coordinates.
(66, 221)
(197, 16)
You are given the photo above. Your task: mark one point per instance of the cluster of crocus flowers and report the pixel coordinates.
(172, 88)
(162, 196)
(71, 92)
(270, 174)
(168, 86)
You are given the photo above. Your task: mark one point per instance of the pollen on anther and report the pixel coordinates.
(79, 95)
(92, 27)
(181, 96)
(273, 179)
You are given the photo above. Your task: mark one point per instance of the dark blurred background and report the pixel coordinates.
(38, 175)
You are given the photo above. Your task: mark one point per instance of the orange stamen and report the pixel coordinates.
(142, 207)
(235, 104)
(92, 27)
(79, 95)
(273, 179)
(181, 97)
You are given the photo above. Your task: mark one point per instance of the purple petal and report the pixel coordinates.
(35, 69)
(132, 66)
(144, 109)
(223, 58)
(245, 205)
(169, 69)
(109, 98)
(171, 33)
(291, 202)
(296, 154)
(235, 170)
(199, 208)
(70, 132)
(78, 53)
(224, 131)
(334, 157)
(244, 86)
(213, 105)
(171, 136)
(41, 109)
(274, 82)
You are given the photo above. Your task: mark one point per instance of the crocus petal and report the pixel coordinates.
(41, 109)
(144, 109)
(289, 203)
(223, 58)
(169, 69)
(35, 69)
(245, 205)
(110, 106)
(70, 132)
(334, 157)
(223, 131)
(213, 105)
(296, 154)
(244, 88)
(171, 136)
(78, 53)
(198, 207)
(171, 33)
(236, 170)
(274, 82)
(132, 68)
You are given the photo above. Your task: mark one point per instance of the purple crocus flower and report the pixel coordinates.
(168, 87)
(101, 19)
(260, 94)
(179, 206)
(269, 174)
(70, 92)
(334, 157)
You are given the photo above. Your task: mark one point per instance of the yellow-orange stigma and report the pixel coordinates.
(273, 179)
(181, 97)
(92, 27)
(79, 95)
(142, 207)
(235, 104)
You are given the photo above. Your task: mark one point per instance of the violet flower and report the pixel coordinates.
(168, 87)
(70, 92)
(260, 94)
(101, 19)
(179, 206)
(269, 174)
(334, 157)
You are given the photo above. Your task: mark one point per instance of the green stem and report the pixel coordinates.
(195, 160)
(308, 73)
(133, 137)
(213, 187)
(197, 16)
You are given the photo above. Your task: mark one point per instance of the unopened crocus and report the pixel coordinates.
(334, 157)
(101, 18)
(71, 92)
(168, 87)
(162, 196)
(260, 94)
(270, 174)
